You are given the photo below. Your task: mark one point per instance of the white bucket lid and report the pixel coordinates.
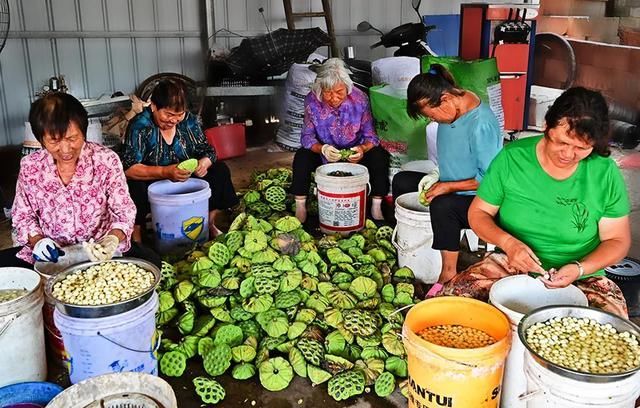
(518, 295)
(168, 192)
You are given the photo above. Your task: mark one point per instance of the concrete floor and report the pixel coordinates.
(300, 393)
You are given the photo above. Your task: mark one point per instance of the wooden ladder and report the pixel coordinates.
(328, 18)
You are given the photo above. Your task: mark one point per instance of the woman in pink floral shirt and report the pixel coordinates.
(71, 191)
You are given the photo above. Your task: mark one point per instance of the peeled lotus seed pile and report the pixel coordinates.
(108, 282)
(7, 295)
(584, 345)
(456, 336)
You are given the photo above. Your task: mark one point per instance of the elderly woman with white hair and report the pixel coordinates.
(337, 117)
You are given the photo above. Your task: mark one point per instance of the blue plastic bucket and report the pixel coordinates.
(28, 394)
(119, 343)
(180, 214)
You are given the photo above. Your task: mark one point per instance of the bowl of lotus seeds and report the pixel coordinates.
(582, 343)
(99, 289)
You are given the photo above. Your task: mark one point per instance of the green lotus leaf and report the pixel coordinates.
(183, 290)
(173, 363)
(203, 325)
(308, 268)
(306, 315)
(222, 314)
(404, 287)
(204, 345)
(296, 329)
(317, 302)
(275, 374)
(388, 293)
(345, 244)
(228, 334)
(251, 196)
(290, 280)
(353, 352)
(366, 259)
(274, 322)
(390, 326)
(185, 322)
(359, 239)
(385, 384)
(373, 353)
(298, 362)
(333, 317)
(189, 346)
(370, 304)
(317, 375)
(371, 368)
(167, 345)
(165, 300)
(247, 287)
(255, 241)
(287, 224)
(363, 287)
(310, 283)
(210, 300)
(335, 343)
(404, 275)
(336, 256)
(267, 256)
(245, 253)
(369, 341)
(243, 371)
(325, 287)
(342, 277)
(402, 299)
(202, 264)
(286, 347)
(271, 343)
(257, 304)
(243, 264)
(302, 235)
(354, 252)
(348, 336)
(231, 283)
(189, 165)
(391, 341)
(251, 328)
(284, 263)
(336, 364)
(377, 254)
(397, 366)
(341, 299)
(243, 354)
(165, 317)
(208, 278)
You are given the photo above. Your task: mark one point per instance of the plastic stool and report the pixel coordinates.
(473, 241)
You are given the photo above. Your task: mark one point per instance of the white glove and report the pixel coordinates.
(103, 249)
(46, 250)
(429, 180)
(330, 153)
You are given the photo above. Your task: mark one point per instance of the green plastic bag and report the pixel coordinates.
(402, 136)
(478, 76)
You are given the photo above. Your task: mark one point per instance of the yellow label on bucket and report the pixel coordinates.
(192, 227)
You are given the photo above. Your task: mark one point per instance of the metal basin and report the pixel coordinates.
(91, 311)
(546, 313)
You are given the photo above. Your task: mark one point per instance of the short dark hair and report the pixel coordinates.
(54, 112)
(169, 94)
(430, 85)
(587, 114)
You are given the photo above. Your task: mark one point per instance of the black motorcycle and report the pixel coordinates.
(408, 37)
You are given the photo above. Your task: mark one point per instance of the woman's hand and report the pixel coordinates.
(438, 189)
(173, 173)
(330, 153)
(561, 278)
(203, 167)
(358, 153)
(521, 257)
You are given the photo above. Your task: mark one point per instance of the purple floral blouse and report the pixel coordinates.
(94, 202)
(348, 125)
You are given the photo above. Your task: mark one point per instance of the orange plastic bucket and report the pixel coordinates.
(448, 377)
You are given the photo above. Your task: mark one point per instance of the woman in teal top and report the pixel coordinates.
(469, 137)
(557, 204)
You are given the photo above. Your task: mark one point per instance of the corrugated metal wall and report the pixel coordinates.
(106, 45)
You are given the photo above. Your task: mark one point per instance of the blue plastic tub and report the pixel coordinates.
(22, 394)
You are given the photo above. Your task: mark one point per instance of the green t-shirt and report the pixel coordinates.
(557, 219)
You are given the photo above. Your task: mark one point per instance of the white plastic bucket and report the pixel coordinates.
(546, 389)
(413, 237)
(516, 296)
(125, 342)
(22, 353)
(180, 214)
(342, 201)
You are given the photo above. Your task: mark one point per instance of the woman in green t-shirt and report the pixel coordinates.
(557, 204)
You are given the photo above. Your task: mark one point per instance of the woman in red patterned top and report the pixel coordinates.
(70, 192)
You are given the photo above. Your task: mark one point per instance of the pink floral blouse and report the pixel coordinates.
(95, 201)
